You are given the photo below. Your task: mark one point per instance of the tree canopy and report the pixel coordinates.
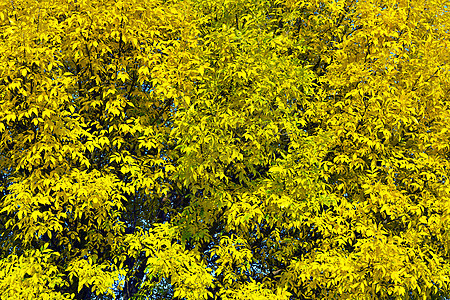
(224, 149)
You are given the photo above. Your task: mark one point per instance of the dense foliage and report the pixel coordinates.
(224, 149)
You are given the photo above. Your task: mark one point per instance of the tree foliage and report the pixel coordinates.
(231, 149)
